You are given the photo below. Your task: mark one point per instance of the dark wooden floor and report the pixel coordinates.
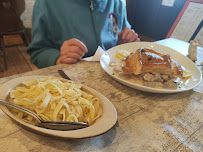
(18, 61)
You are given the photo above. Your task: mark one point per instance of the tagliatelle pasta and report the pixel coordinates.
(56, 100)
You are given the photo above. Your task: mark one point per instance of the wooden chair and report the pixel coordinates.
(10, 14)
(24, 36)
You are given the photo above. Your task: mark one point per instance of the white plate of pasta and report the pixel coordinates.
(58, 99)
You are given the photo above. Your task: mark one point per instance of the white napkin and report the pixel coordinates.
(96, 57)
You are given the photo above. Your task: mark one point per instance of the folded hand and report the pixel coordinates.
(127, 35)
(72, 51)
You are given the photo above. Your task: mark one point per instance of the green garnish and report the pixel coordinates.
(143, 50)
(112, 73)
(179, 86)
(150, 58)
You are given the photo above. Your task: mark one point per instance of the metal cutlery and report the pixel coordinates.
(56, 125)
(63, 75)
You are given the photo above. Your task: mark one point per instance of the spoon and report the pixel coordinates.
(56, 125)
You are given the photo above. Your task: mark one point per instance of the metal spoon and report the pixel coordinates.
(56, 125)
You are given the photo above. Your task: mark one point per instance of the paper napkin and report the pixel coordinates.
(96, 57)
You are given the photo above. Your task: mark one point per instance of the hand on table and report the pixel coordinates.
(127, 35)
(72, 51)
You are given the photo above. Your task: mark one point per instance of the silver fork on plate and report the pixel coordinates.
(56, 125)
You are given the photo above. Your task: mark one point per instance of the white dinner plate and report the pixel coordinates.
(102, 125)
(192, 82)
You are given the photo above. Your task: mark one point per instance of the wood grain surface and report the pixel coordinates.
(146, 121)
(18, 61)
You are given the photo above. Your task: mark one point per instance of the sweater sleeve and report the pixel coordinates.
(42, 50)
(125, 19)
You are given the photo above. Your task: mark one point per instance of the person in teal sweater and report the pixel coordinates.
(64, 31)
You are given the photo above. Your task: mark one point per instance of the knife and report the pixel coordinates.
(63, 75)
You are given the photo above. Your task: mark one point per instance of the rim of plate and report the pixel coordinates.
(107, 120)
(145, 88)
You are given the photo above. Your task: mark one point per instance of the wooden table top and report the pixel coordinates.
(146, 121)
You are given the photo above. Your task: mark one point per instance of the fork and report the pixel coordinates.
(56, 125)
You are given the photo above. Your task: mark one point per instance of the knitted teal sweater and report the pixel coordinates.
(55, 21)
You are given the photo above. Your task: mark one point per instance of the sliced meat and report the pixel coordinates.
(165, 77)
(148, 77)
(157, 78)
(150, 84)
(170, 85)
(118, 69)
(152, 78)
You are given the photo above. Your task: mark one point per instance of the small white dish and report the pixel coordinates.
(191, 83)
(102, 125)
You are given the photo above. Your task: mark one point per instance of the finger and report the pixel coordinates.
(77, 50)
(130, 37)
(137, 40)
(133, 37)
(125, 32)
(73, 49)
(76, 42)
(69, 60)
(71, 55)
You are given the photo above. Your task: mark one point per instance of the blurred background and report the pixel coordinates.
(151, 19)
